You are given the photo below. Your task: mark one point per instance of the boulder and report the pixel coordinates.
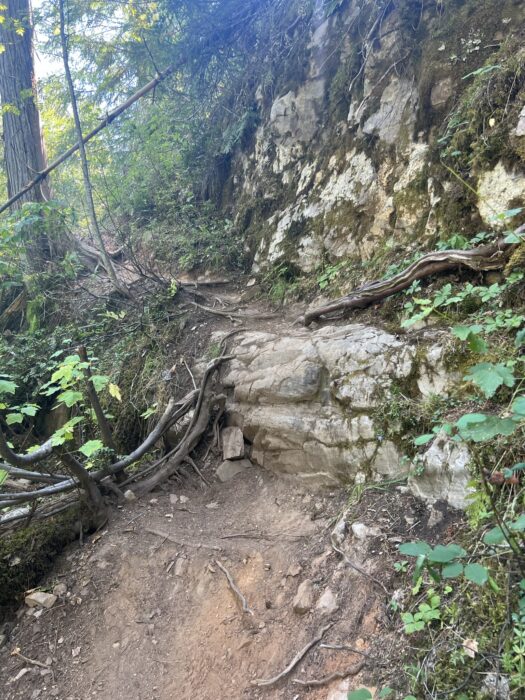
(231, 467)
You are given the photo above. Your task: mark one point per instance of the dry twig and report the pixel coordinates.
(182, 543)
(235, 588)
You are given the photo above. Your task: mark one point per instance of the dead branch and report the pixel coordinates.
(293, 663)
(192, 464)
(233, 314)
(104, 122)
(16, 652)
(357, 568)
(325, 680)
(234, 588)
(182, 543)
(487, 257)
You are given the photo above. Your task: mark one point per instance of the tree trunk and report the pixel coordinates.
(24, 152)
(95, 229)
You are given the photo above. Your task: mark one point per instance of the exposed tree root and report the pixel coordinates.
(487, 257)
(87, 482)
(293, 663)
(325, 680)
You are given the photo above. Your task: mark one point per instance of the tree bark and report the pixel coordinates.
(24, 153)
(95, 229)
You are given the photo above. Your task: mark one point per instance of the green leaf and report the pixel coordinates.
(7, 386)
(463, 332)
(424, 439)
(480, 427)
(3, 476)
(489, 377)
(520, 338)
(70, 397)
(442, 554)
(494, 536)
(99, 382)
(519, 524)
(90, 447)
(415, 549)
(518, 407)
(477, 574)
(452, 570)
(385, 693)
(14, 418)
(508, 473)
(361, 694)
(29, 409)
(477, 344)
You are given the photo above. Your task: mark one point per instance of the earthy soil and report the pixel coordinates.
(148, 617)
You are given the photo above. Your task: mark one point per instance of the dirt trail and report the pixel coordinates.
(145, 618)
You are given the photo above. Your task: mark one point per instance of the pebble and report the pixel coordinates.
(304, 598)
(41, 599)
(327, 603)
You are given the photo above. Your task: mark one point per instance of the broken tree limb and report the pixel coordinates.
(182, 543)
(234, 313)
(486, 257)
(242, 600)
(104, 122)
(357, 568)
(293, 663)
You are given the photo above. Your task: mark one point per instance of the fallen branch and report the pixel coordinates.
(234, 588)
(487, 257)
(104, 122)
(293, 663)
(234, 314)
(16, 652)
(325, 680)
(357, 568)
(182, 543)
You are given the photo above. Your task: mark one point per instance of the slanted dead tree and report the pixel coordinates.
(486, 257)
(88, 189)
(49, 499)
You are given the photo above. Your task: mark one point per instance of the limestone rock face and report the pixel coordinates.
(345, 162)
(311, 402)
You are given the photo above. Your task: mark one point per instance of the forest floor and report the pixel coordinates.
(145, 612)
